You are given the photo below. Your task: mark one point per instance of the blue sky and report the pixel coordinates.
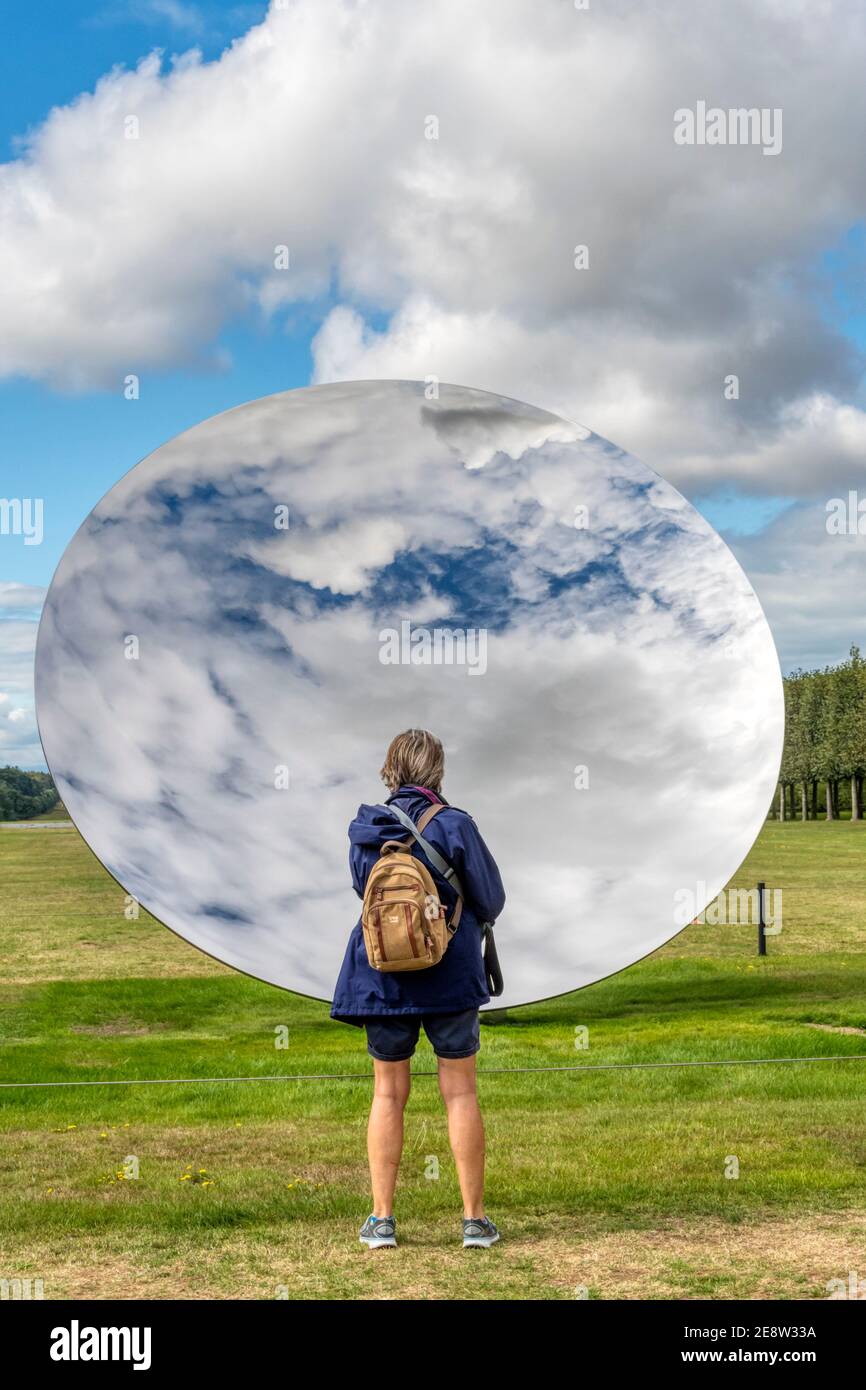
(70, 449)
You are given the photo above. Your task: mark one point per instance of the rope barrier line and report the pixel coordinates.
(486, 1071)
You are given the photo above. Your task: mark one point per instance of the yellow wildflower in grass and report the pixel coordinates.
(199, 1179)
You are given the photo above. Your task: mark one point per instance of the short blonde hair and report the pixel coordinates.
(414, 758)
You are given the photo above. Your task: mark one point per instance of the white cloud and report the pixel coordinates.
(819, 443)
(20, 605)
(555, 128)
(339, 558)
(811, 584)
(20, 599)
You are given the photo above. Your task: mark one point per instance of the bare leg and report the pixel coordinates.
(465, 1129)
(385, 1131)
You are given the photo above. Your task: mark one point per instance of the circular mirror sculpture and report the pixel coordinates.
(248, 617)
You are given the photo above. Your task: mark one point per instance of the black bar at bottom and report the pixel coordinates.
(264, 1338)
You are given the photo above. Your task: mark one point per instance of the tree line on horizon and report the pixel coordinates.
(824, 758)
(24, 795)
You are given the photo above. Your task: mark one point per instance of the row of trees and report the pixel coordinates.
(25, 794)
(824, 761)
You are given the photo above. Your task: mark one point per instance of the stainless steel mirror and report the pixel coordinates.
(246, 619)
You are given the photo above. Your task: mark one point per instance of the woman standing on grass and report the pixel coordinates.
(445, 997)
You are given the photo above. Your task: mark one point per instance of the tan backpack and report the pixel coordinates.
(403, 920)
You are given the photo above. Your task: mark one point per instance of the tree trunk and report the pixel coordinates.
(814, 800)
(804, 801)
(855, 798)
(781, 801)
(831, 808)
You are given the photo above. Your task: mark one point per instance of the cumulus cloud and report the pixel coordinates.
(339, 558)
(19, 615)
(555, 129)
(810, 583)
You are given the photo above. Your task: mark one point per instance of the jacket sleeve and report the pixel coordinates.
(475, 867)
(356, 868)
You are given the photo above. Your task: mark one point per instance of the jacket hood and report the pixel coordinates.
(373, 825)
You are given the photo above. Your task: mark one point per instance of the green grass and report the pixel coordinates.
(63, 917)
(820, 867)
(610, 1181)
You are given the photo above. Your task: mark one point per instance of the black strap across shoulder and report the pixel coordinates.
(492, 968)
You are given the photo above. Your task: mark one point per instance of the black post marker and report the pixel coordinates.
(762, 940)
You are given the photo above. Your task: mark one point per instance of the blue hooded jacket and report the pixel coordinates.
(458, 982)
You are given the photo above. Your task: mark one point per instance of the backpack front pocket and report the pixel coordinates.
(397, 933)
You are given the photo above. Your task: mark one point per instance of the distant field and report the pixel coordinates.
(820, 866)
(62, 915)
(611, 1180)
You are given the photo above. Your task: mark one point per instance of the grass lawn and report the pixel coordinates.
(612, 1182)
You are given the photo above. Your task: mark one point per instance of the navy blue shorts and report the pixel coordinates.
(392, 1037)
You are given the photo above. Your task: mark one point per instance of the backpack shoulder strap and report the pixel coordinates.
(423, 821)
(426, 816)
(432, 854)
